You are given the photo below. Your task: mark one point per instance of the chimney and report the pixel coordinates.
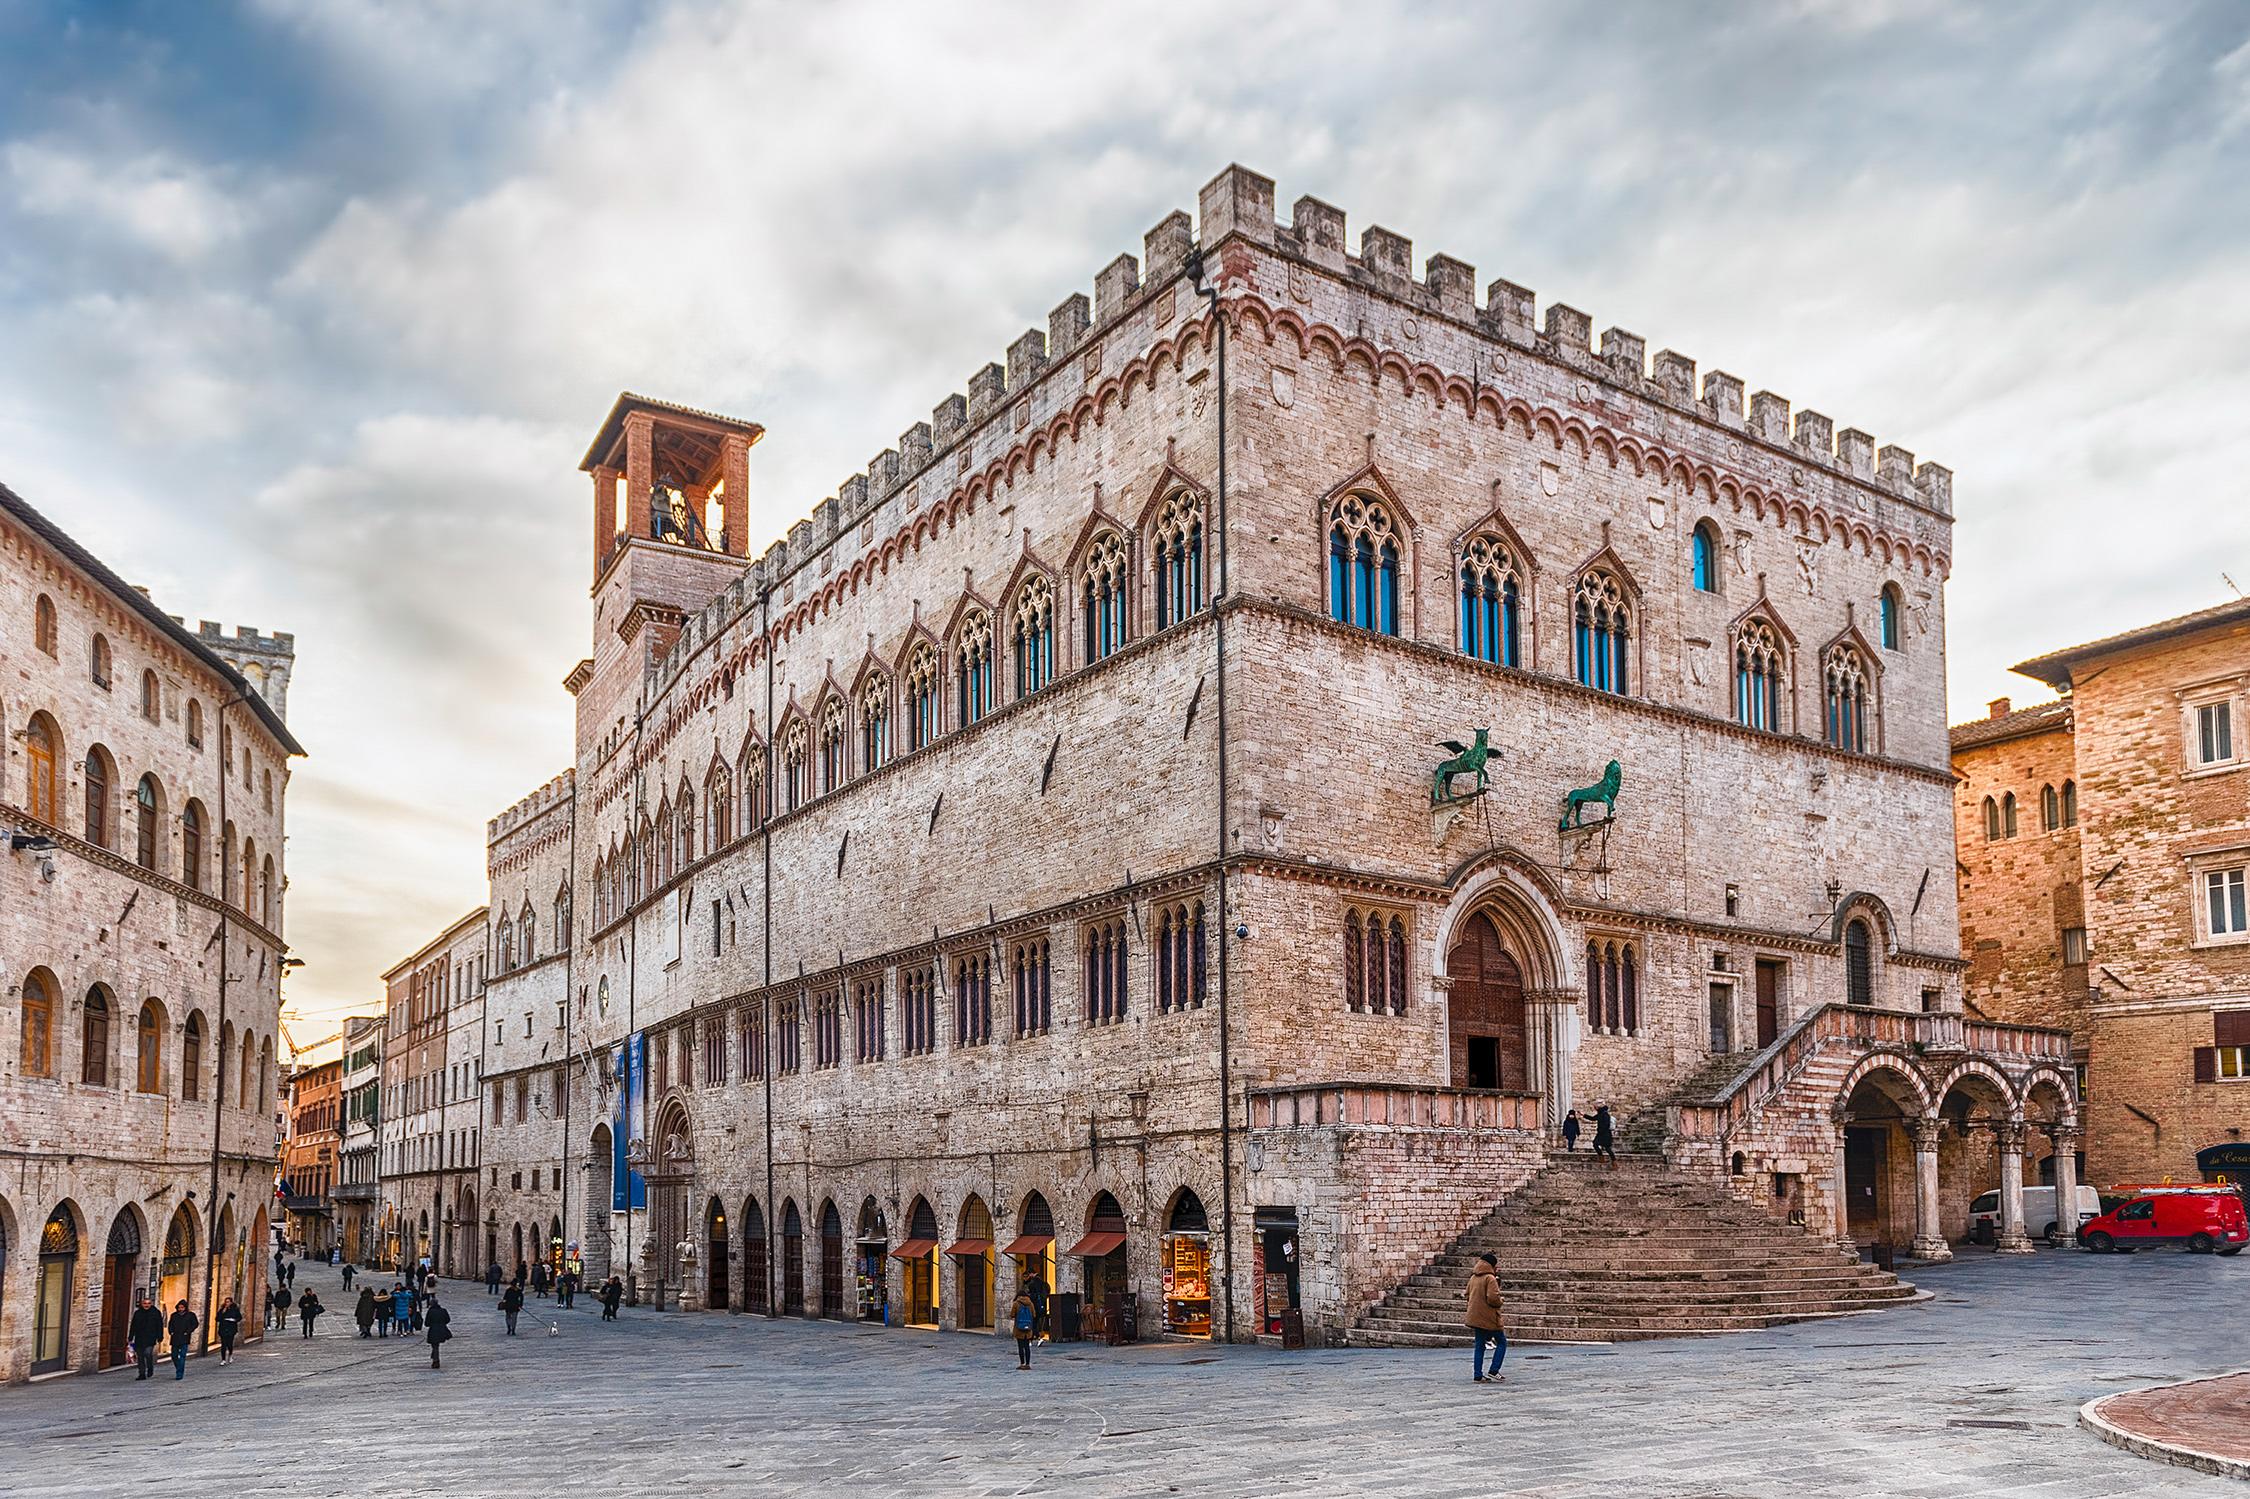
(1997, 708)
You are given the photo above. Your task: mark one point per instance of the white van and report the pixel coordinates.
(2038, 1213)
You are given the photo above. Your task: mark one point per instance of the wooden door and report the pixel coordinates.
(117, 1309)
(1769, 1002)
(1866, 1157)
(1485, 1011)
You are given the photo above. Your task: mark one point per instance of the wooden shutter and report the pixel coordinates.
(2231, 1027)
(2206, 1064)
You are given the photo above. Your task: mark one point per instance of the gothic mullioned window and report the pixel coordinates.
(828, 1030)
(917, 1010)
(1601, 632)
(1613, 988)
(1363, 564)
(874, 723)
(1374, 962)
(1034, 987)
(1105, 962)
(718, 808)
(1181, 978)
(972, 1000)
(1177, 544)
(867, 1016)
(921, 689)
(834, 744)
(1491, 602)
(1844, 713)
(796, 763)
(1031, 635)
(750, 785)
(1759, 664)
(527, 933)
(683, 826)
(975, 667)
(1101, 597)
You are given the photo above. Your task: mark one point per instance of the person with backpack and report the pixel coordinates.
(511, 1303)
(1486, 1329)
(143, 1335)
(439, 1321)
(1025, 1318)
(229, 1324)
(182, 1331)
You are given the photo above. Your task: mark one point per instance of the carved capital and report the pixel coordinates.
(2010, 1133)
(1927, 1133)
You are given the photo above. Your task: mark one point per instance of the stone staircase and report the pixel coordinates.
(1591, 1254)
(1643, 1133)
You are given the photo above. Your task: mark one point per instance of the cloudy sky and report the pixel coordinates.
(309, 307)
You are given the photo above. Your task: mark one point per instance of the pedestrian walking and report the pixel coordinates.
(402, 1307)
(350, 1271)
(440, 1324)
(567, 1288)
(309, 1310)
(416, 1300)
(612, 1293)
(277, 1306)
(229, 1324)
(511, 1302)
(364, 1312)
(182, 1330)
(1026, 1316)
(492, 1279)
(1605, 1135)
(1485, 1326)
(291, 1279)
(1036, 1289)
(144, 1333)
(1570, 1128)
(539, 1279)
(523, 1273)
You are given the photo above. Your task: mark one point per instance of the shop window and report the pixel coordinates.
(1187, 1268)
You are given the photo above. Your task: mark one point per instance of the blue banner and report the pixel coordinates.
(628, 1188)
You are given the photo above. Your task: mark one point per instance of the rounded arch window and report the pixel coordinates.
(1891, 611)
(1703, 557)
(1859, 963)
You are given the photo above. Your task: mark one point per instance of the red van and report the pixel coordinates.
(2204, 1218)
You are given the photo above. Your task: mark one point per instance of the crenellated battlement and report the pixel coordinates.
(265, 661)
(1239, 203)
(553, 794)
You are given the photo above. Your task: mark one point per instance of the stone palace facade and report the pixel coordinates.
(142, 890)
(1036, 866)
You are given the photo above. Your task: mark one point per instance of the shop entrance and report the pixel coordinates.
(179, 1260)
(831, 1261)
(120, 1273)
(716, 1271)
(971, 1254)
(874, 1251)
(1485, 1010)
(1101, 1254)
(917, 1259)
(58, 1278)
(1033, 1250)
(1277, 1265)
(1187, 1268)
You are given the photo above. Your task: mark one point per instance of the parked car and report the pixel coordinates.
(2203, 1218)
(2039, 1215)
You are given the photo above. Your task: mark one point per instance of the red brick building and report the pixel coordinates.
(2104, 841)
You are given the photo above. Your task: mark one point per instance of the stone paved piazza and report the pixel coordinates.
(1975, 1393)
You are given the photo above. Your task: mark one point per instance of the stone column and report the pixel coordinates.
(2066, 1183)
(2012, 1237)
(1929, 1234)
(1841, 1197)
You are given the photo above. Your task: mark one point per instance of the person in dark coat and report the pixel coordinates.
(613, 1292)
(291, 1279)
(350, 1270)
(1605, 1134)
(1570, 1128)
(144, 1334)
(1023, 1316)
(309, 1310)
(539, 1279)
(439, 1322)
(277, 1306)
(182, 1330)
(567, 1288)
(511, 1302)
(364, 1312)
(229, 1325)
(492, 1279)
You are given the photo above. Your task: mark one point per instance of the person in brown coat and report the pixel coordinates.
(1485, 1326)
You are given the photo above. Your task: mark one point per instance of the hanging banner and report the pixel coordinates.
(628, 1188)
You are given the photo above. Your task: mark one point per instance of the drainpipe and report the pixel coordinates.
(1219, 632)
(765, 940)
(218, 1086)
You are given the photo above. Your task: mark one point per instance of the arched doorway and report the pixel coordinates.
(1978, 1115)
(792, 1260)
(1485, 1010)
(917, 1260)
(717, 1268)
(756, 1292)
(226, 1273)
(121, 1260)
(874, 1249)
(251, 1277)
(178, 1267)
(1879, 1122)
(1101, 1255)
(422, 1237)
(669, 1179)
(517, 1260)
(831, 1261)
(491, 1243)
(1033, 1250)
(55, 1295)
(1187, 1267)
(598, 1205)
(971, 1254)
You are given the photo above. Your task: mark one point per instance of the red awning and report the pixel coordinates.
(1030, 1244)
(913, 1249)
(1096, 1244)
(970, 1249)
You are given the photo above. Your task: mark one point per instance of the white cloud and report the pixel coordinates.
(152, 200)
